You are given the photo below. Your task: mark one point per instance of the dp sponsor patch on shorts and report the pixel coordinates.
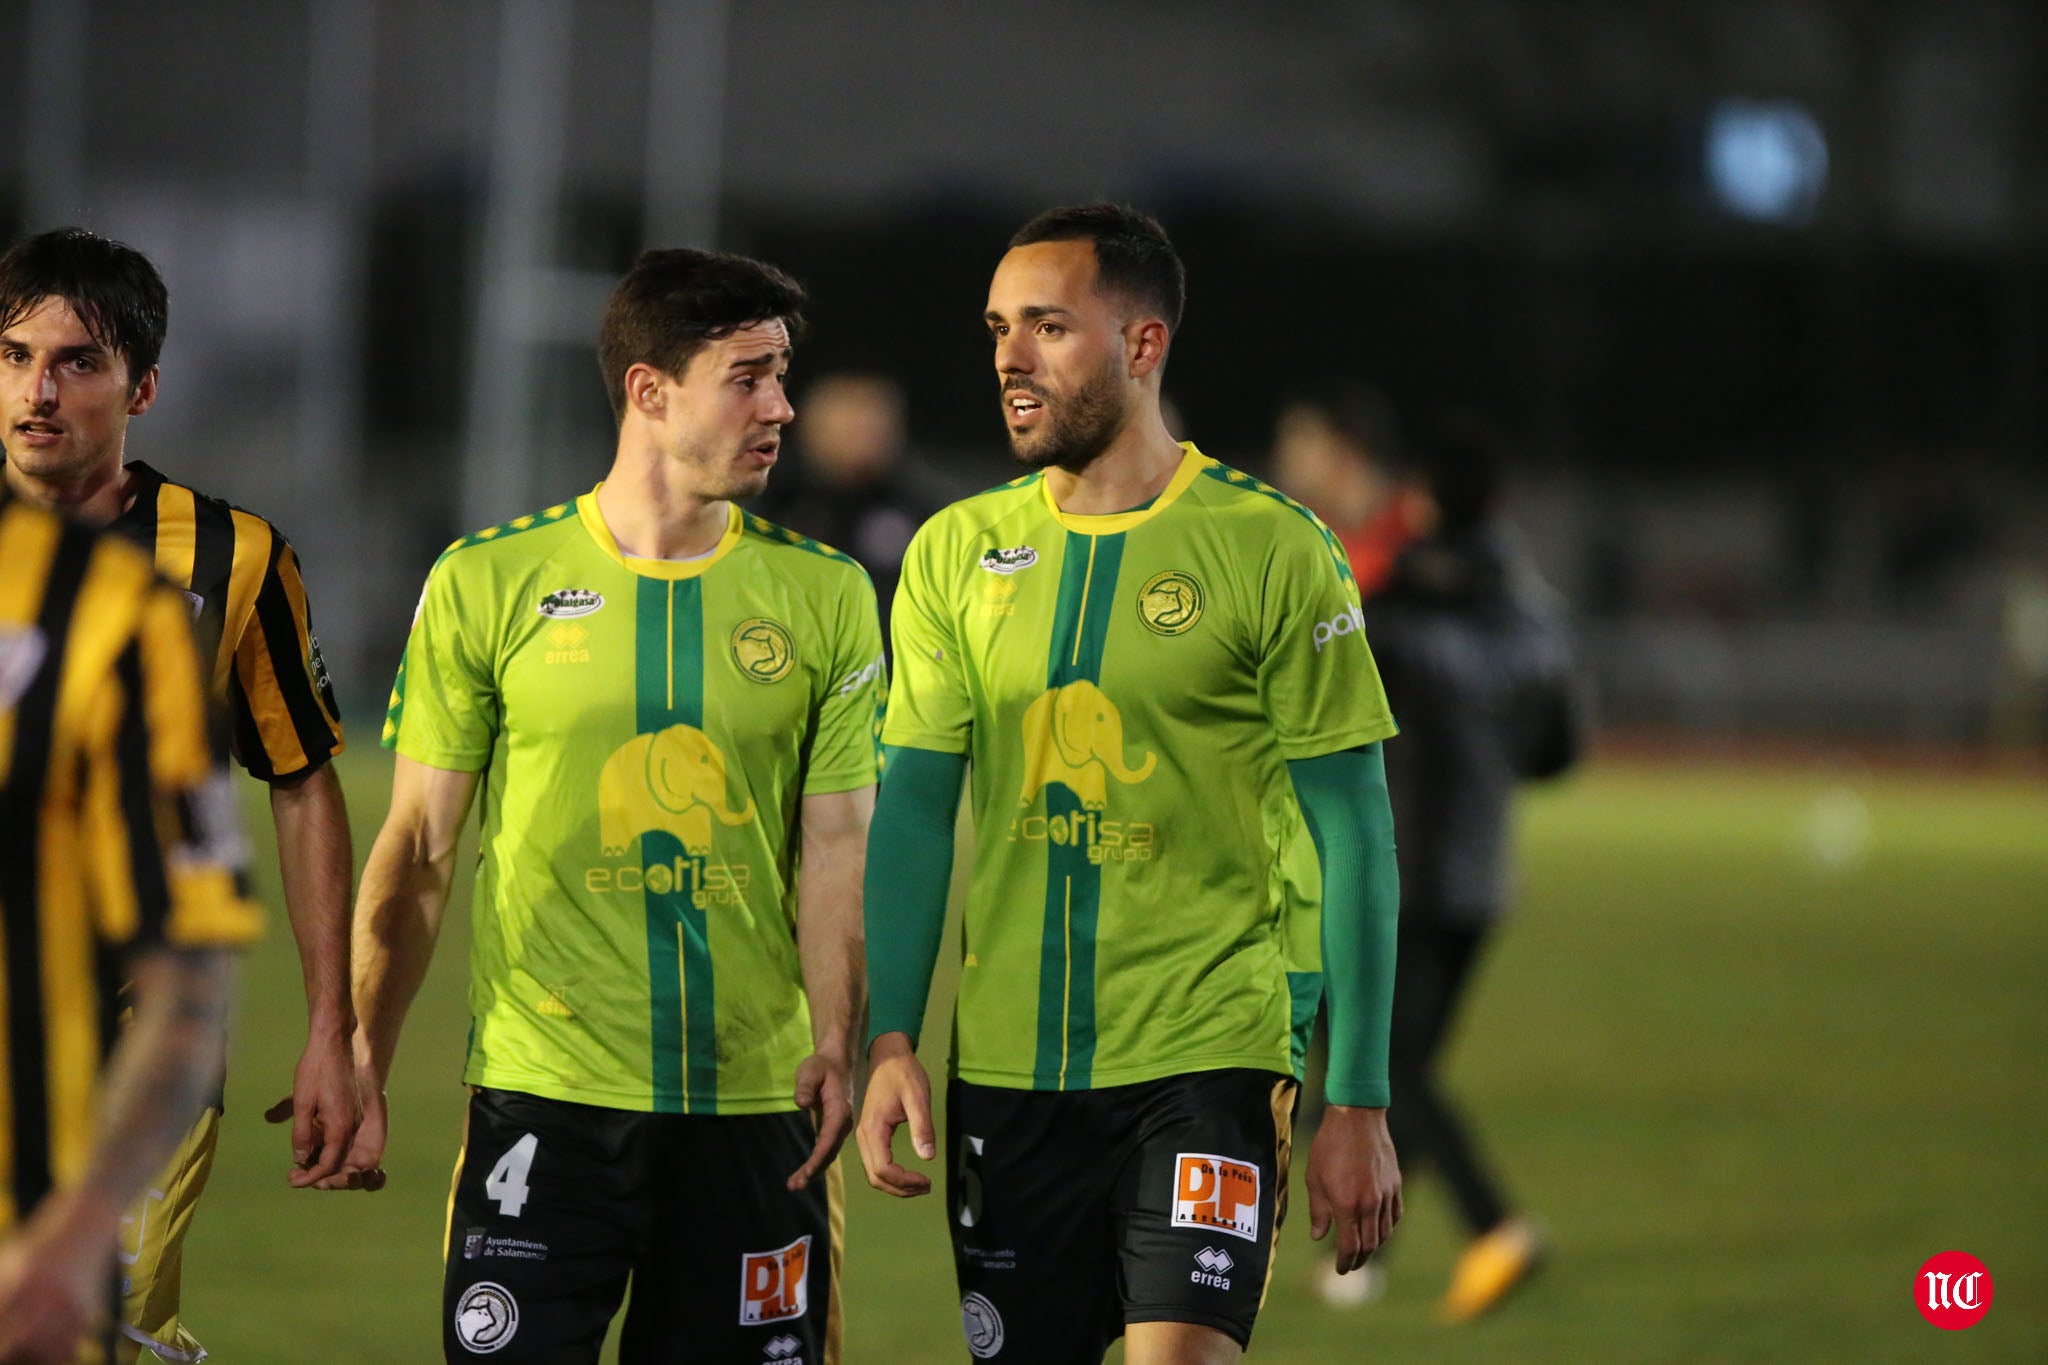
(774, 1284)
(486, 1318)
(983, 1325)
(1216, 1194)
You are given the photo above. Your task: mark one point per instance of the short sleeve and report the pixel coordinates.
(159, 804)
(930, 706)
(281, 703)
(444, 709)
(845, 751)
(1317, 680)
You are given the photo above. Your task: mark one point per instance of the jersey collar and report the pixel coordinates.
(593, 522)
(1192, 462)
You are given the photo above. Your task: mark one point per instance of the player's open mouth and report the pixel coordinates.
(765, 451)
(1022, 405)
(39, 433)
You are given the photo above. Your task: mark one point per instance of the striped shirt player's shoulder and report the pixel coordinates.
(506, 531)
(773, 536)
(1261, 498)
(224, 512)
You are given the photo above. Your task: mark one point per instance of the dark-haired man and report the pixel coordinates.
(670, 705)
(82, 321)
(1155, 665)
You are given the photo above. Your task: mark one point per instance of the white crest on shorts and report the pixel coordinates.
(486, 1318)
(782, 1348)
(983, 1324)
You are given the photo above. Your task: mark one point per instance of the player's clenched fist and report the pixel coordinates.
(898, 1092)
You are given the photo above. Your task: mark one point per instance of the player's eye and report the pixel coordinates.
(1049, 329)
(84, 364)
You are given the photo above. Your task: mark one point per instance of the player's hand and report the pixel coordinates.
(1354, 1182)
(824, 1086)
(323, 1110)
(54, 1274)
(898, 1092)
(363, 1167)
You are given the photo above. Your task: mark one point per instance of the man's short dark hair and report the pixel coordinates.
(675, 301)
(112, 287)
(1133, 257)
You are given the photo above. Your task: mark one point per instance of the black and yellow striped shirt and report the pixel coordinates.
(251, 617)
(115, 824)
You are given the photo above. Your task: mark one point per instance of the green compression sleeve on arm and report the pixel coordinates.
(909, 870)
(1344, 799)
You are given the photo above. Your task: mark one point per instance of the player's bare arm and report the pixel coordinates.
(898, 1092)
(315, 861)
(829, 941)
(398, 919)
(54, 1272)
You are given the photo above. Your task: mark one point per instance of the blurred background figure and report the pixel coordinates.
(1478, 666)
(851, 486)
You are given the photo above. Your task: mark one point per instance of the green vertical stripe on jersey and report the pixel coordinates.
(669, 690)
(1073, 885)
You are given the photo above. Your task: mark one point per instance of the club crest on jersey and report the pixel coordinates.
(763, 650)
(1170, 603)
(1009, 561)
(570, 602)
(21, 655)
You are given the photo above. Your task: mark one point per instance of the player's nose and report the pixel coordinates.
(1014, 355)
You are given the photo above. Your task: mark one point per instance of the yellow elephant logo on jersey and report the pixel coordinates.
(1075, 735)
(671, 781)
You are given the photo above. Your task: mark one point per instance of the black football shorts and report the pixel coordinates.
(1074, 1213)
(556, 1204)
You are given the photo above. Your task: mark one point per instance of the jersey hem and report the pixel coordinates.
(451, 760)
(639, 1102)
(1323, 745)
(1280, 1065)
(833, 783)
(925, 739)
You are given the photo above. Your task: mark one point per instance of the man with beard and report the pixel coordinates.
(1156, 666)
(670, 705)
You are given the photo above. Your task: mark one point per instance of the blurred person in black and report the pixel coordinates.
(1477, 663)
(851, 487)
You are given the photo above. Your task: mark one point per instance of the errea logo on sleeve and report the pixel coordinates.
(1350, 621)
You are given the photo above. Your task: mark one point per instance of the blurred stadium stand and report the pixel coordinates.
(1763, 287)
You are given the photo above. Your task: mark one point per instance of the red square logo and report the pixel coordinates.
(1216, 1194)
(774, 1284)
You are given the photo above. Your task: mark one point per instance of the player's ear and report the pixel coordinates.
(144, 395)
(644, 391)
(1145, 345)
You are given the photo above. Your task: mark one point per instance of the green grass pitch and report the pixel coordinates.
(1754, 1047)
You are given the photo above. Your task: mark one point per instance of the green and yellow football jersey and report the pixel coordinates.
(1129, 689)
(646, 729)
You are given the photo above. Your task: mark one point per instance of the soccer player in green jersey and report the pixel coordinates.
(670, 708)
(1156, 668)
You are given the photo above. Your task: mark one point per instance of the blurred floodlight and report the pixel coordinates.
(1766, 159)
(1837, 833)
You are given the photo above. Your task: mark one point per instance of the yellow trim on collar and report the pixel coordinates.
(1192, 463)
(593, 522)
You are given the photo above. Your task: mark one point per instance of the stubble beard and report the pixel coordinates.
(1080, 429)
